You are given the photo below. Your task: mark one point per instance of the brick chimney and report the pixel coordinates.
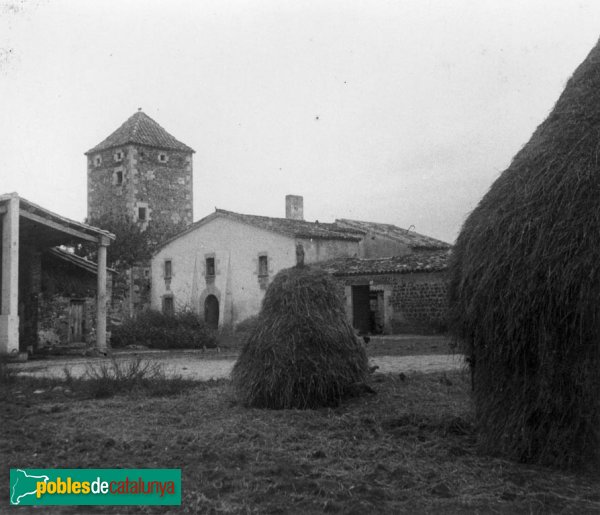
(294, 207)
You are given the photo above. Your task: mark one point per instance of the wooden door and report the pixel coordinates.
(211, 312)
(361, 309)
(377, 311)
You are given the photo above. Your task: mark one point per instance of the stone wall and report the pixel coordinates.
(61, 285)
(53, 319)
(165, 186)
(420, 303)
(414, 302)
(155, 179)
(104, 195)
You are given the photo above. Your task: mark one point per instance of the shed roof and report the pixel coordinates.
(142, 130)
(44, 228)
(77, 261)
(411, 239)
(424, 261)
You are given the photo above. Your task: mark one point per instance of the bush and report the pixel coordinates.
(302, 353)
(184, 330)
(126, 376)
(247, 325)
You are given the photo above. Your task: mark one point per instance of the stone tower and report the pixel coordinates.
(142, 172)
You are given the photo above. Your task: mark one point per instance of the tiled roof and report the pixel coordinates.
(411, 239)
(297, 228)
(140, 129)
(424, 261)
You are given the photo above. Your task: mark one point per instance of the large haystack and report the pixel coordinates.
(302, 353)
(525, 288)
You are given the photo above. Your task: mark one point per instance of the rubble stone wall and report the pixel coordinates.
(417, 304)
(157, 179)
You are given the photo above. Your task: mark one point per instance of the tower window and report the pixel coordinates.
(118, 176)
(162, 157)
(119, 156)
(168, 268)
(142, 214)
(210, 267)
(263, 266)
(97, 160)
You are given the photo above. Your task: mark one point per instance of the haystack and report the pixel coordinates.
(302, 352)
(525, 288)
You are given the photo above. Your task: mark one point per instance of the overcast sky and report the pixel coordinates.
(391, 111)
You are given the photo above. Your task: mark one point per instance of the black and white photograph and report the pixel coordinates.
(320, 256)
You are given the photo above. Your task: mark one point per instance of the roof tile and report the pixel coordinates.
(142, 130)
(424, 261)
(297, 228)
(411, 239)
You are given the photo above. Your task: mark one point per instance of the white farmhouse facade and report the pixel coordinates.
(220, 266)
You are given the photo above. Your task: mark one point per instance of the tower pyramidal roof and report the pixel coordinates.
(140, 129)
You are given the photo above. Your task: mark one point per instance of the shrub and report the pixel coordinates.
(247, 325)
(126, 376)
(183, 330)
(302, 353)
(525, 284)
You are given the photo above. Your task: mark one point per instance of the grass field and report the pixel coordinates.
(409, 448)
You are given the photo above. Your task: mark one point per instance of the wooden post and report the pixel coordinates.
(9, 300)
(101, 296)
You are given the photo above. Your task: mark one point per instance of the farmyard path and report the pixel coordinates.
(198, 367)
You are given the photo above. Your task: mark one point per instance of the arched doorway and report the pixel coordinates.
(211, 312)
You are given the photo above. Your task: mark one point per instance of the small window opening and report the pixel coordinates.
(263, 266)
(119, 155)
(168, 306)
(162, 157)
(142, 214)
(97, 160)
(210, 267)
(168, 268)
(118, 178)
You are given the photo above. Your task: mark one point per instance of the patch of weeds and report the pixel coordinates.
(114, 377)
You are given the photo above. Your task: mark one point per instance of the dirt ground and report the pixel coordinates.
(390, 354)
(194, 365)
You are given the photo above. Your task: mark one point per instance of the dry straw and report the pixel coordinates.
(525, 289)
(302, 353)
